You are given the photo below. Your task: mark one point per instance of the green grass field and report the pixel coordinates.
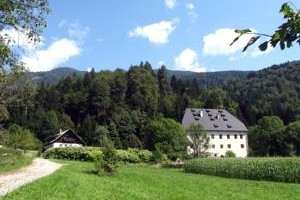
(11, 159)
(76, 181)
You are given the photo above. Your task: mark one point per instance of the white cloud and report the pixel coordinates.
(170, 4)
(257, 52)
(89, 69)
(188, 60)
(157, 33)
(20, 39)
(59, 52)
(190, 6)
(160, 63)
(217, 43)
(77, 31)
(192, 13)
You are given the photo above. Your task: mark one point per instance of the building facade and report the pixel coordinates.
(226, 132)
(64, 139)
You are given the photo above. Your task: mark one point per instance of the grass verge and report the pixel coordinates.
(76, 181)
(11, 159)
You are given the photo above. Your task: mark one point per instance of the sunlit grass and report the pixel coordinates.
(77, 181)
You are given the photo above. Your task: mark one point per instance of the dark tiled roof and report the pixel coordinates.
(53, 138)
(212, 119)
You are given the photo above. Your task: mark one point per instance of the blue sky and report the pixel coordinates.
(183, 35)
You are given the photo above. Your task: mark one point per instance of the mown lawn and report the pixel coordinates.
(76, 181)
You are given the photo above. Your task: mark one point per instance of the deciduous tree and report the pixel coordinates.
(199, 139)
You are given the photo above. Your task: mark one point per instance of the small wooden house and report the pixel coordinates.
(65, 138)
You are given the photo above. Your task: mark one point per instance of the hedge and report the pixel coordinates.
(270, 169)
(92, 154)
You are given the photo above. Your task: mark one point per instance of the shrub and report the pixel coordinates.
(108, 162)
(270, 169)
(230, 154)
(134, 156)
(73, 153)
(127, 156)
(159, 157)
(92, 154)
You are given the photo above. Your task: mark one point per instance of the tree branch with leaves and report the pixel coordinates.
(285, 35)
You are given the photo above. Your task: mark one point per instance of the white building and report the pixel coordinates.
(226, 132)
(64, 139)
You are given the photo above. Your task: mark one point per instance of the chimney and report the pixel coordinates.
(201, 113)
(60, 131)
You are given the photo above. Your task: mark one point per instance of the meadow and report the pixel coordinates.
(11, 159)
(76, 180)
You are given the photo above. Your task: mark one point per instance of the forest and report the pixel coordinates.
(121, 104)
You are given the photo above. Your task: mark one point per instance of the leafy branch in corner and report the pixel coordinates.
(285, 35)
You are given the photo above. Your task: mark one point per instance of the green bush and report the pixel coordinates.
(270, 169)
(108, 163)
(230, 154)
(134, 156)
(127, 156)
(92, 154)
(74, 153)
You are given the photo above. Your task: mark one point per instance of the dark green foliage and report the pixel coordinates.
(88, 131)
(158, 156)
(267, 138)
(271, 91)
(293, 137)
(168, 136)
(125, 103)
(270, 169)
(230, 154)
(108, 163)
(20, 138)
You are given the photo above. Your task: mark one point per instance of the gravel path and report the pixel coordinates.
(39, 168)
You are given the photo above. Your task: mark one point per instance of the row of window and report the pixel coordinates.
(228, 146)
(228, 136)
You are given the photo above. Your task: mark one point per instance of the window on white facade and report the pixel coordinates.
(213, 146)
(220, 136)
(242, 146)
(60, 145)
(241, 136)
(229, 146)
(221, 146)
(228, 136)
(235, 136)
(212, 136)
